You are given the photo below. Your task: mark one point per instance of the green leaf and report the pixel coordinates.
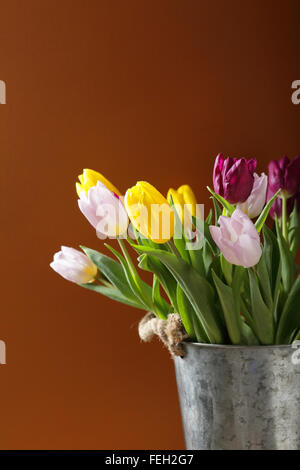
(208, 219)
(268, 249)
(208, 251)
(196, 257)
(262, 315)
(232, 316)
(272, 254)
(114, 294)
(238, 281)
(207, 258)
(276, 294)
(288, 265)
(112, 270)
(294, 231)
(199, 330)
(152, 264)
(264, 214)
(264, 280)
(226, 269)
(246, 313)
(248, 337)
(186, 312)
(137, 286)
(290, 317)
(142, 240)
(297, 336)
(217, 210)
(216, 266)
(196, 288)
(162, 306)
(227, 206)
(274, 267)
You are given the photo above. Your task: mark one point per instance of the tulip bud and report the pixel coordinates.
(233, 178)
(237, 239)
(104, 210)
(89, 178)
(74, 266)
(150, 212)
(257, 199)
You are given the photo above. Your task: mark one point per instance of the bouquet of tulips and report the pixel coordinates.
(231, 277)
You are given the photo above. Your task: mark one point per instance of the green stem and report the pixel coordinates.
(225, 212)
(103, 282)
(128, 258)
(148, 301)
(284, 217)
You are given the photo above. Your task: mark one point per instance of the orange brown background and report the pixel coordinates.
(137, 90)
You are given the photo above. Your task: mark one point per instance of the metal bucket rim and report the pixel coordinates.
(236, 346)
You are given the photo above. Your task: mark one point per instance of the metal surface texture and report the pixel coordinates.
(239, 397)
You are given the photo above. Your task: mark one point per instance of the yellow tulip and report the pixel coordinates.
(89, 178)
(183, 195)
(150, 212)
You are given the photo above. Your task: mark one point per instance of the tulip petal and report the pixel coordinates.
(89, 178)
(249, 257)
(256, 201)
(217, 175)
(238, 239)
(104, 210)
(238, 182)
(292, 176)
(150, 212)
(74, 266)
(233, 178)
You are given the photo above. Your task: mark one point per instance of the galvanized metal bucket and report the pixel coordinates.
(239, 397)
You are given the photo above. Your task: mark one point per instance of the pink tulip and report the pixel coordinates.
(74, 265)
(104, 210)
(237, 239)
(257, 199)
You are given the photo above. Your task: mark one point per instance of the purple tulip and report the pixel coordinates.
(237, 239)
(284, 174)
(233, 178)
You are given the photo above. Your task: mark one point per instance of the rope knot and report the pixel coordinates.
(171, 331)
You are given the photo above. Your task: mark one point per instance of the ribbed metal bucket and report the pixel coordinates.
(239, 397)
